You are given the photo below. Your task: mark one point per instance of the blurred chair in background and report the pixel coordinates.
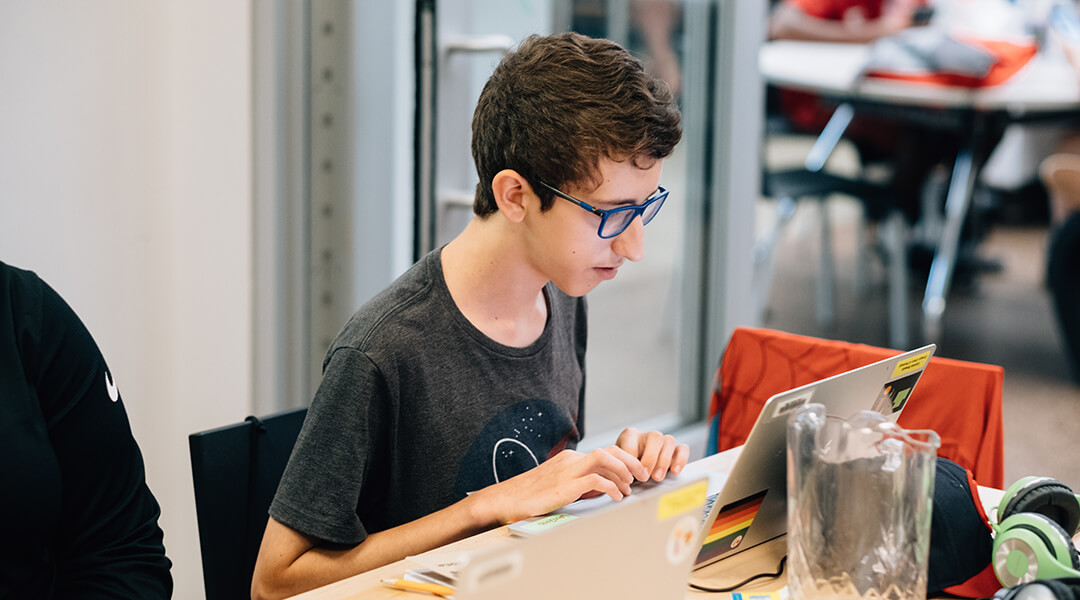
(881, 213)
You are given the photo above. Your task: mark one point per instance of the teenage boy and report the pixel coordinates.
(451, 402)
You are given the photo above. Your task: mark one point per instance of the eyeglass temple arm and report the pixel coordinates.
(585, 205)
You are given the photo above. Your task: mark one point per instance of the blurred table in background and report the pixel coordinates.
(1046, 88)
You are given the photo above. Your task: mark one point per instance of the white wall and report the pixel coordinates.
(125, 181)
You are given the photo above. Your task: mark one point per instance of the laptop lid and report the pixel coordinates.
(640, 547)
(751, 506)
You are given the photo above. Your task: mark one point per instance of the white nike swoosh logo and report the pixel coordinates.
(114, 393)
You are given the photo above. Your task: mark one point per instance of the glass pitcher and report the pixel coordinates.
(859, 498)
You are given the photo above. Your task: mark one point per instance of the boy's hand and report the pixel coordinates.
(571, 475)
(558, 481)
(658, 453)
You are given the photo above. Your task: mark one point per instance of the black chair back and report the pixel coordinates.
(236, 470)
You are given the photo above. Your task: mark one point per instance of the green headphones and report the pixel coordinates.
(1036, 520)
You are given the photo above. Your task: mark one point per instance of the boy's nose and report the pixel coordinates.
(630, 244)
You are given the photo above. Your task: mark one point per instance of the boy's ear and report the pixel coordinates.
(513, 194)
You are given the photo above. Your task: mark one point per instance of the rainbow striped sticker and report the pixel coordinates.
(730, 527)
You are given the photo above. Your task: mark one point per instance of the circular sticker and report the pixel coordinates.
(680, 543)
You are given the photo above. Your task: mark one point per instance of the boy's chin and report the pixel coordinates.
(575, 289)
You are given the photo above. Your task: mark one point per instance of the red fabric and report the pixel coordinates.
(1010, 59)
(804, 110)
(959, 400)
(973, 485)
(985, 584)
(834, 10)
(873, 136)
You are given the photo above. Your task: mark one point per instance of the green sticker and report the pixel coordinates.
(547, 522)
(899, 400)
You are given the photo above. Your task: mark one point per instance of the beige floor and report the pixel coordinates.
(1003, 319)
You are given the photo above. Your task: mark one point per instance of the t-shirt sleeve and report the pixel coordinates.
(111, 545)
(331, 463)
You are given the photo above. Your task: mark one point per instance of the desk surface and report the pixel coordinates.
(760, 559)
(1045, 84)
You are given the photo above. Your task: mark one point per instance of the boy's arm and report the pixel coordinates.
(290, 562)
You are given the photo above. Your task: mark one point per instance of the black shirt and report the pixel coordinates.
(76, 517)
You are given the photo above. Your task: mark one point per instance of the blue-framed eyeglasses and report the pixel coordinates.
(615, 221)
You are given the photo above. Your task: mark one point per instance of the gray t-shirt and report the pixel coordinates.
(417, 407)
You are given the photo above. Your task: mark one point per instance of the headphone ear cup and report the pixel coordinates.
(1067, 588)
(1047, 497)
(1074, 557)
(1030, 545)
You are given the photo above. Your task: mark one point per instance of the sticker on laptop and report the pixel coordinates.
(682, 500)
(915, 363)
(680, 542)
(790, 404)
(777, 595)
(894, 395)
(729, 529)
(540, 524)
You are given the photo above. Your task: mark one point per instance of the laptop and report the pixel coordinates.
(641, 547)
(749, 505)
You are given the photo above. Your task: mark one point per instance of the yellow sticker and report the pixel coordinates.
(911, 364)
(682, 500)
